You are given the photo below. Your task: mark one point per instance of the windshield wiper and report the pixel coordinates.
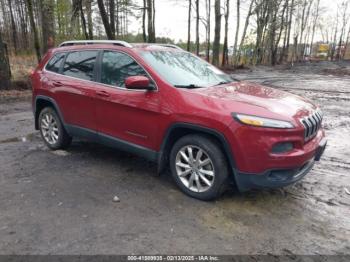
(223, 83)
(228, 81)
(190, 86)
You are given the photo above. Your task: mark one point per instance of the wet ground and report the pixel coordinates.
(61, 202)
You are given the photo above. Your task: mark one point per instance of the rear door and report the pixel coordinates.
(75, 89)
(130, 115)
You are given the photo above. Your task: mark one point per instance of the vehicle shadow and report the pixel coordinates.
(127, 166)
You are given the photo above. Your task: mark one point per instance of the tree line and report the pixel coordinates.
(271, 31)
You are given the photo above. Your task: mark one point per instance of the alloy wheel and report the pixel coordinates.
(195, 168)
(49, 128)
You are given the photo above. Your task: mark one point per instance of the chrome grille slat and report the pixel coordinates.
(312, 124)
(316, 122)
(318, 116)
(305, 127)
(309, 126)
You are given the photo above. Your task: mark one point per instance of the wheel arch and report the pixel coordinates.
(40, 103)
(178, 130)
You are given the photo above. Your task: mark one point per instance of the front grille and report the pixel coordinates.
(312, 124)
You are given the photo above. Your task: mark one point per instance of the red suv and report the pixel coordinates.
(172, 107)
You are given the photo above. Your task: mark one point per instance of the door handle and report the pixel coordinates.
(102, 93)
(57, 83)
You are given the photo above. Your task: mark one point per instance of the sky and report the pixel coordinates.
(171, 18)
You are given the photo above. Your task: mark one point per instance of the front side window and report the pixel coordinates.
(116, 67)
(182, 69)
(80, 64)
(55, 63)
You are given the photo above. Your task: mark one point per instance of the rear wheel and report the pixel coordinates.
(52, 130)
(199, 167)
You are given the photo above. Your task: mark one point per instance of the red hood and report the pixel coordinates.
(271, 102)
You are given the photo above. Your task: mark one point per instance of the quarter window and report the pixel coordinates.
(116, 67)
(80, 64)
(55, 63)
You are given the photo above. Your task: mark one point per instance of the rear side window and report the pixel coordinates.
(55, 63)
(80, 64)
(116, 67)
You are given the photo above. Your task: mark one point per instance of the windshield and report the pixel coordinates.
(182, 69)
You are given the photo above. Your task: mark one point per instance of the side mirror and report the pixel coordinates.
(138, 82)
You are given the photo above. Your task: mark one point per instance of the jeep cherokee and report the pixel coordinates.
(170, 106)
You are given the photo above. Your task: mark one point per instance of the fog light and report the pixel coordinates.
(282, 147)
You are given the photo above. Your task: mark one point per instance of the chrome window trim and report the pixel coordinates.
(95, 82)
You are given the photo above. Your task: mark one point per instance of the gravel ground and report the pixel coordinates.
(62, 202)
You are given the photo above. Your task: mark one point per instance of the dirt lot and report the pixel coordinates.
(61, 202)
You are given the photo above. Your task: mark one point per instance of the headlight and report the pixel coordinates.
(261, 121)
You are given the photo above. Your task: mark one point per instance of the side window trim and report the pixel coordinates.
(98, 67)
(100, 59)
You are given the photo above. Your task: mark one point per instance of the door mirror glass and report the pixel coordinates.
(138, 82)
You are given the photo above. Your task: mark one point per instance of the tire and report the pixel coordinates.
(215, 170)
(52, 130)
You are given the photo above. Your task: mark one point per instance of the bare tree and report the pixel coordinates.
(150, 21)
(89, 18)
(286, 28)
(189, 25)
(344, 8)
(245, 30)
(217, 32)
(225, 47)
(13, 27)
(206, 23)
(77, 7)
(197, 27)
(112, 16)
(346, 42)
(48, 23)
(316, 13)
(262, 18)
(105, 21)
(335, 36)
(306, 6)
(154, 20)
(291, 10)
(238, 7)
(275, 39)
(5, 72)
(144, 10)
(34, 28)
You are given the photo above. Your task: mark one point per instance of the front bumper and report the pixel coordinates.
(275, 178)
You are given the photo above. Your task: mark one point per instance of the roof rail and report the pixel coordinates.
(171, 46)
(168, 45)
(157, 44)
(91, 42)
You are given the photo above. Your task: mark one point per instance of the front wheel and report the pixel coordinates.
(52, 130)
(199, 167)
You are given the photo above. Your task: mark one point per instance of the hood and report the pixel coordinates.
(250, 98)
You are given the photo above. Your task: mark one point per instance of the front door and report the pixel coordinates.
(129, 115)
